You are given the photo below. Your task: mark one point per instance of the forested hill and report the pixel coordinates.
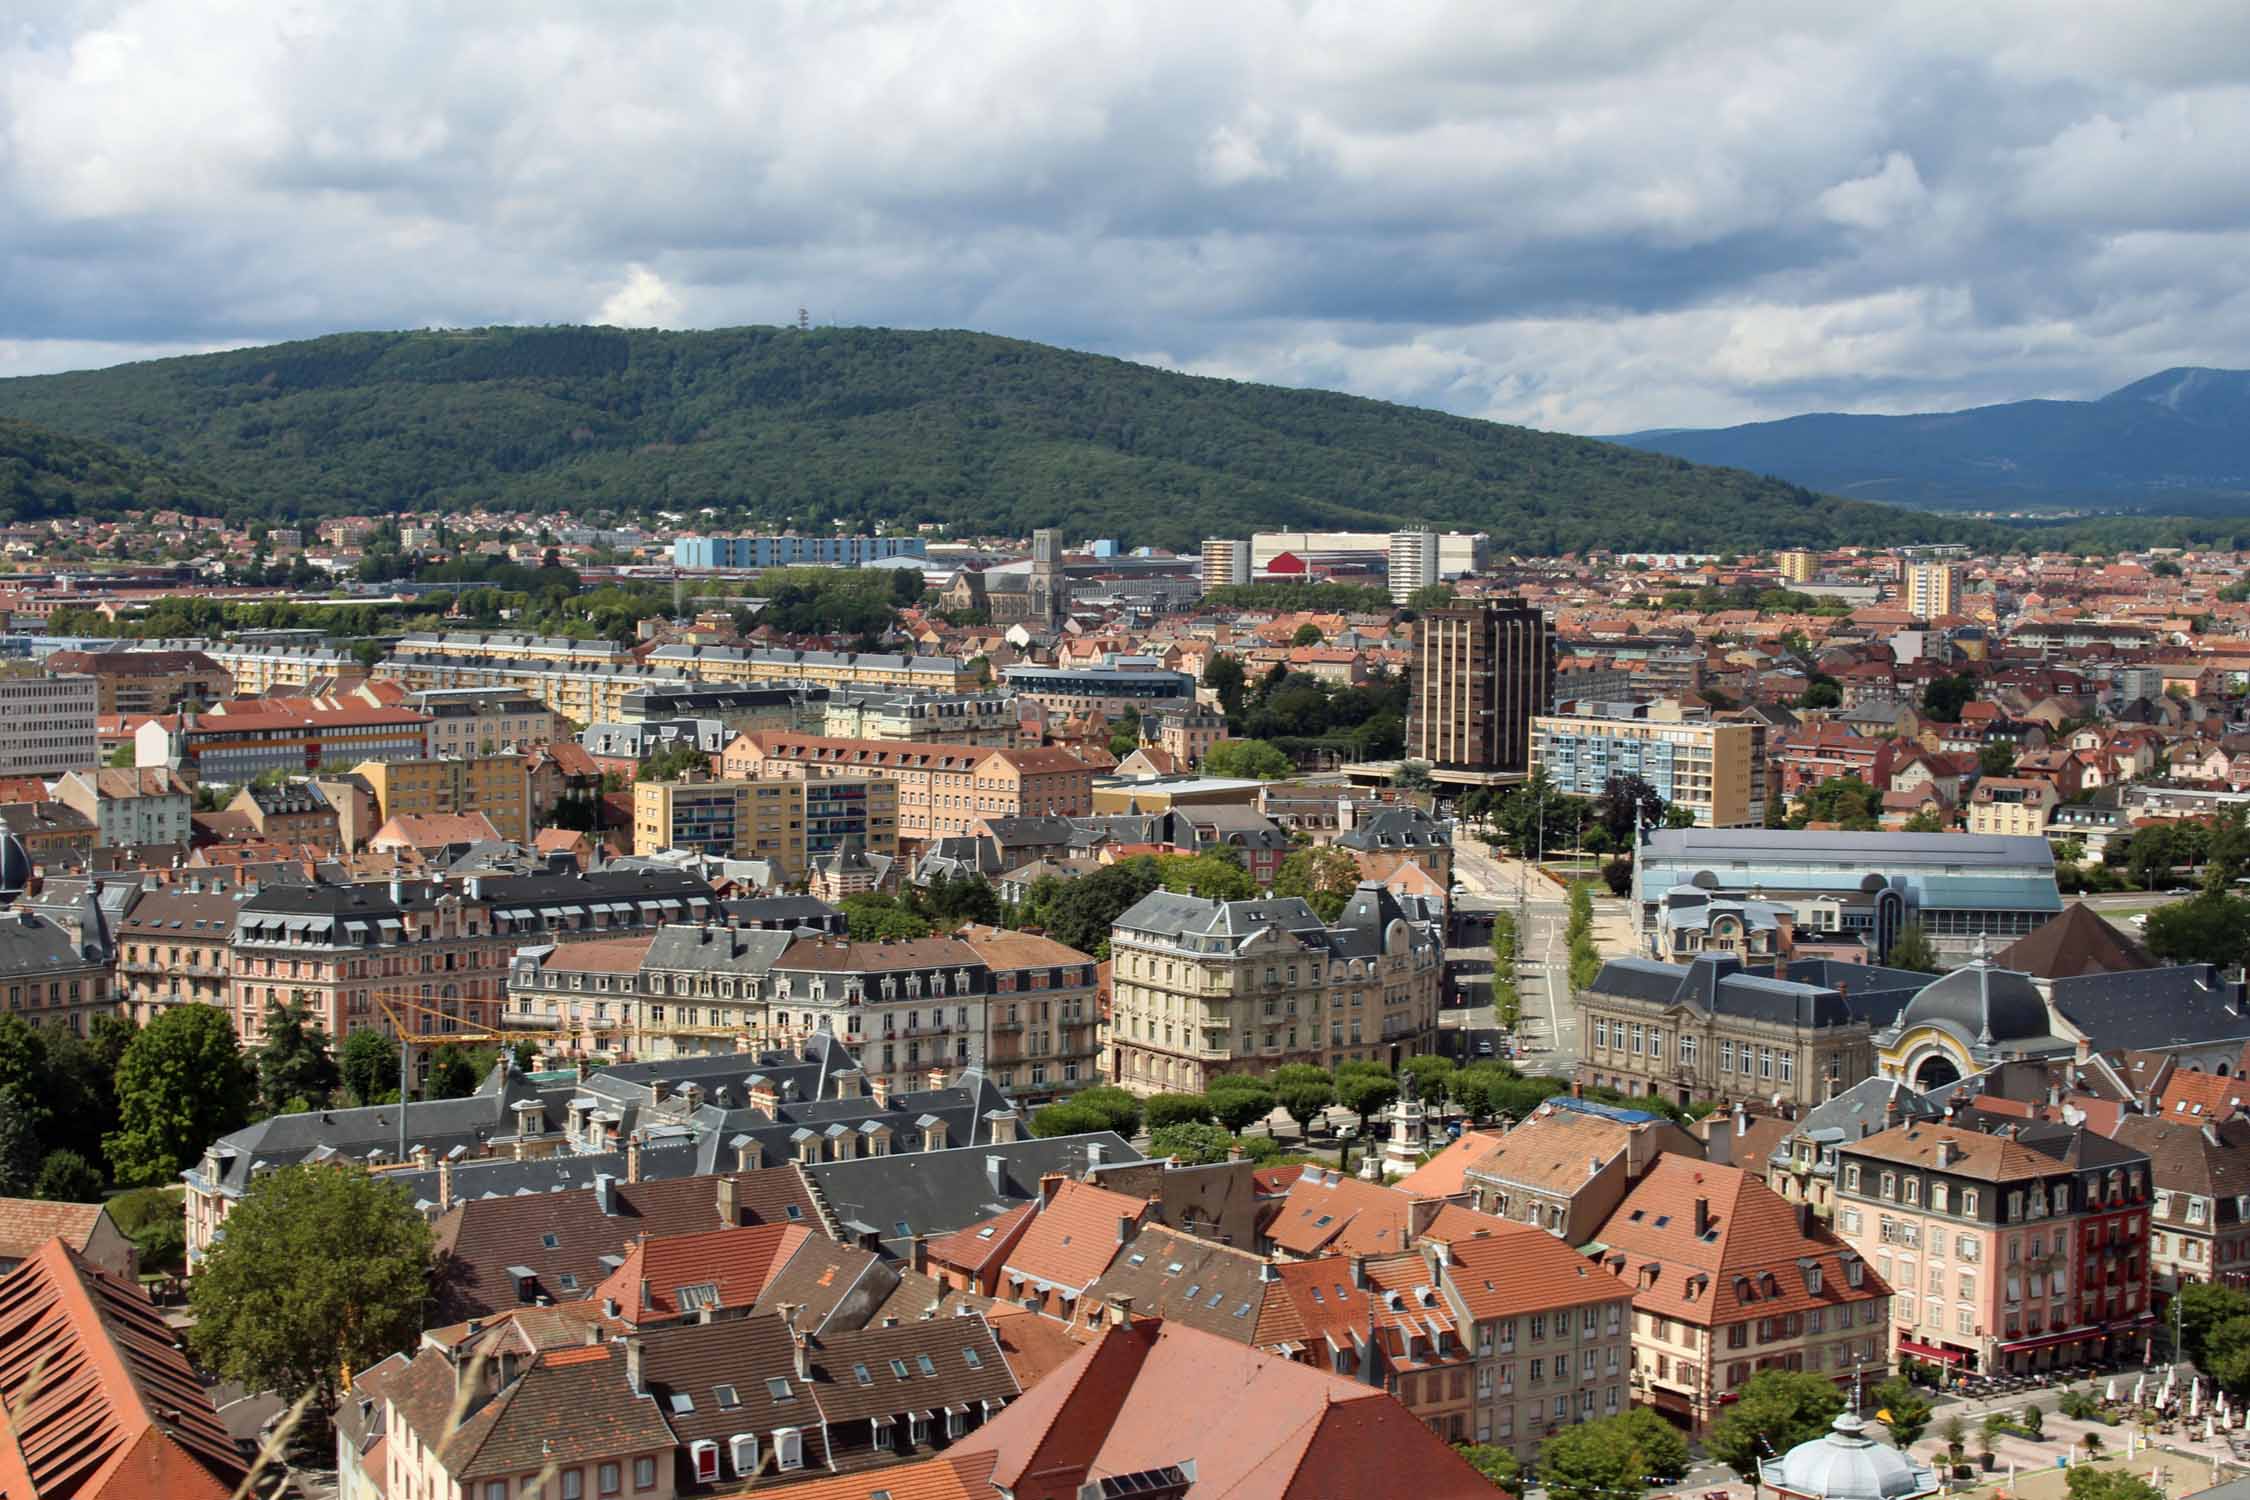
(868, 424)
(46, 473)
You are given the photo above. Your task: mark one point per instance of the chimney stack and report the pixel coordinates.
(1121, 1309)
(444, 1183)
(730, 1207)
(1702, 1215)
(633, 1364)
(1050, 1183)
(918, 1254)
(879, 1090)
(633, 1157)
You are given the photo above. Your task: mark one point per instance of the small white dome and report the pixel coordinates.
(1844, 1463)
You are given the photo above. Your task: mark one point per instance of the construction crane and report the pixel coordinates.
(398, 1005)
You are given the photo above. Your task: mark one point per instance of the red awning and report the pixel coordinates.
(2049, 1341)
(1942, 1355)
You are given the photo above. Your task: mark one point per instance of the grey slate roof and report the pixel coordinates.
(1717, 984)
(937, 1192)
(2154, 1009)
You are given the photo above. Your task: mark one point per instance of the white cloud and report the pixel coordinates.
(1879, 200)
(644, 301)
(1603, 219)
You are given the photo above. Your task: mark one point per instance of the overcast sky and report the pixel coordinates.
(1584, 217)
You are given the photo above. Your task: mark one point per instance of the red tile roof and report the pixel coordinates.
(28, 1223)
(2202, 1098)
(735, 1264)
(1075, 1236)
(1744, 1262)
(1326, 1211)
(102, 1403)
(1144, 1397)
(970, 1249)
(1446, 1174)
(1507, 1270)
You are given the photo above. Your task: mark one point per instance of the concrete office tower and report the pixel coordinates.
(1932, 589)
(1414, 562)
(1480, 674)
(46, 722)
(1225, 560)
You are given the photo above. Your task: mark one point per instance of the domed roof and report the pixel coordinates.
(1844, 1463)
(15, 866)
(1982, 1003)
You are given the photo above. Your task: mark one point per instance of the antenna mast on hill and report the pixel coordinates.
(804, 321)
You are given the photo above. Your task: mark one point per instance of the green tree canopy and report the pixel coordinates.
(2211, 927)
(2202, 1307)
(1943, 698)
(1303, 1091)
(1195, 1145)
(1902, 1407)
(1118, 1109)
(1079, 913)
(1365, 1087)
(454, 1073)
(877, 917)
(2085, 1482)
(1067, 1117)
(368, 1066)
(67, 1177)
(1214, 874)
(1239, 1100)
(673, 762)
(295, 1070)
(1844, 801)
(2226, 1354)
(1495, 1463)
(321, 1267)
(1246, 758)
(1775, 1411)
(1177, 1109)
(1624, 1455)
(181, 1084)
(1323, 875)
(1912, 949)
(1307, 634)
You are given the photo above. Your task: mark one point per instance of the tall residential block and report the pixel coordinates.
(1798, 565)
(1480, 675)
(786, 821)
(499, 786)
(1414, 562)
(46, 722)
(1707, 768)
(1225, 560)
(791, 551)
(1931, 589)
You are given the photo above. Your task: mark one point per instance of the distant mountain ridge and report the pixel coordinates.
(860, 426)
(2177, 441)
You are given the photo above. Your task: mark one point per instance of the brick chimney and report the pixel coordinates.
(444, 1184)
(764, 1097)
(1050, 1183)
(730, 1207)
(633, 1157)
(1702, 1216)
